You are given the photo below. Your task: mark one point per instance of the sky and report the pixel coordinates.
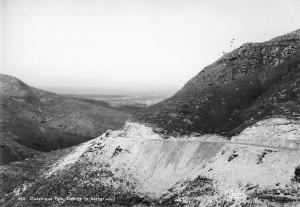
(130, 46)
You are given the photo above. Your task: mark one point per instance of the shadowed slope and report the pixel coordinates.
(248, 84)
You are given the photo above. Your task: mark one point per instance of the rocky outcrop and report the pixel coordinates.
(41, 121)
(253, 82)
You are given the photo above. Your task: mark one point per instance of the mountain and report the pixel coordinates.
(255, 81)
(34, 121)
(137, 167)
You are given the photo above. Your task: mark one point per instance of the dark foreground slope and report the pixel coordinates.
(33, 120)
(255, 81)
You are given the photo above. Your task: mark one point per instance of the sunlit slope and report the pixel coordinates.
(136, 166)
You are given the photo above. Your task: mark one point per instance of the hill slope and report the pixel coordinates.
(44, 121)
(253, 82)
(136, 166)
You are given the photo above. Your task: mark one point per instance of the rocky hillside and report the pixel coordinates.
(137, 167)
(253, 82)
(34, 121)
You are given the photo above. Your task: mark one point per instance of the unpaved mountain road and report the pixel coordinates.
(292, 148)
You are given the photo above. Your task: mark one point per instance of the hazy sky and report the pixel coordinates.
(130, 45)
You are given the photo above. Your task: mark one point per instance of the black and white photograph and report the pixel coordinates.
(159, 103)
